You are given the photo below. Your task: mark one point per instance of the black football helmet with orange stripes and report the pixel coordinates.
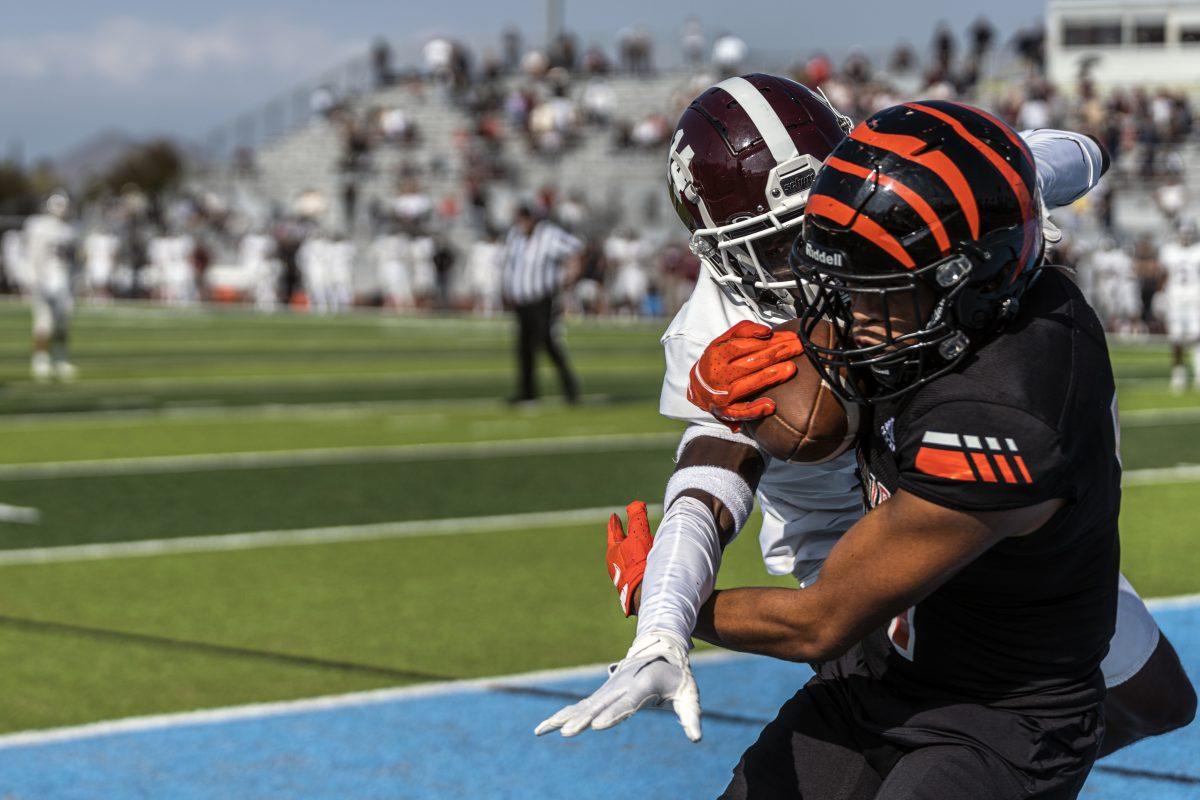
(739, 169)
(928, 214)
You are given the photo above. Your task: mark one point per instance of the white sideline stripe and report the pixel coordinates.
(335, 455)
(1178, 601)
(182, 411)
(29, 516)
(1148, 417)
(393, 530)
(300, 536)
(1183, 473)
(214, 716)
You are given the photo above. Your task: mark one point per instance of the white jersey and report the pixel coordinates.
(807, 507)
(179, 273)
(256, 253)
(313, 260)
(342, 255)
(1182, 291)
(424, 275)
(1112, 286)
(628, 259)
(483, 274)
(47, 239)
(390, 255)
(100, 250)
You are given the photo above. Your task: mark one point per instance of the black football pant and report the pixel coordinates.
(538, 327)
(816, 749)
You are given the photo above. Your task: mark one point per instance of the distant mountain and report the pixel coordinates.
(93, 155)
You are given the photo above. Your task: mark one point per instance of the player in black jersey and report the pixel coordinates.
(960, 625)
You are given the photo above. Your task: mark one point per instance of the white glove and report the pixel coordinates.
(656, 669)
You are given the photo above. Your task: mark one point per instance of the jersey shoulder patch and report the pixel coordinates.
(975, 455)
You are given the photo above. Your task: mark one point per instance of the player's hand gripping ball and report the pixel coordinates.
(627, 553)
(781, 400)
(737, 367)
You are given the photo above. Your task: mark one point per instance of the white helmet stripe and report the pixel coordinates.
(763, 116)
(680, 167)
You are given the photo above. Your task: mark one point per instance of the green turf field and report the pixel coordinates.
(194, 424)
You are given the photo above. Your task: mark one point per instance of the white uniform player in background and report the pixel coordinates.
(313, 260)
(179, 272)
(158, 259)
(805, 508)
(256, 253)
(342, 255)
(629, 258)
(100, 252)
(1180, 261)
(390, 257)
(482, 276)
(1110, 283)
(424, 274)
(49, 240)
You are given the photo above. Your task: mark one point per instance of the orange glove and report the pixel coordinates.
(743, 361)
(627, 553)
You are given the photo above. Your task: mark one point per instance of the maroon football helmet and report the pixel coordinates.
(743, 157)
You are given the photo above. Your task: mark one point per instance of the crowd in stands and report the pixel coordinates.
(412, 249)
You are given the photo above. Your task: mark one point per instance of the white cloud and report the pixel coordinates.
(128, 52)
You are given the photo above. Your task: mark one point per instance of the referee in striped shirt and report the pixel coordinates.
(539, 259)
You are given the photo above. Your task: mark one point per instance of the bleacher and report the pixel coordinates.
(628, 182)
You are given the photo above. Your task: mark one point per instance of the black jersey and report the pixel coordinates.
(1030, 417)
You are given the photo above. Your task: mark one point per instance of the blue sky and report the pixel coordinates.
(70, 68)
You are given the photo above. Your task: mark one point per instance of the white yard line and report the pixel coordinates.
(23, 514)
(589, 443)
(1183, 473)
(1147, 417)
(181, 411)
(287, 538)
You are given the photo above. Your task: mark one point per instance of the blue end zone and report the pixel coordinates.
(478, 742)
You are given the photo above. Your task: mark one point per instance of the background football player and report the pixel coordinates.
(1180, 261)
(49, 244)
(730, 172)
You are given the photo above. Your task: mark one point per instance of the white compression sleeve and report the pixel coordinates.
(681, 570)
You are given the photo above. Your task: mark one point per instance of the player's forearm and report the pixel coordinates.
(780, 623)
(707, 501)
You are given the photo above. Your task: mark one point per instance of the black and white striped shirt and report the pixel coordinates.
(532, 265)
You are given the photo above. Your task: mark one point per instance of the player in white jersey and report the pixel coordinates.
(628, 257)
(342, 254)
(389, 255)
(1181, 294)
(772, 135)
(49, 240)
(313, 259)
(1111, 286)
(100, 251)
(257, 255)
(424, 273)
(179, 272)
(482, 276)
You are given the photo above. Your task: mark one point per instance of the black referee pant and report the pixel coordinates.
(537, 324)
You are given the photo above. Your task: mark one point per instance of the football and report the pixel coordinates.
(810, 425)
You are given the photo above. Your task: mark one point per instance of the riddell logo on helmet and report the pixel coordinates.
(830, 258)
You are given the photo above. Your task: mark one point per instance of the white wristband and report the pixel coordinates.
(681, 570)
(724, 484)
